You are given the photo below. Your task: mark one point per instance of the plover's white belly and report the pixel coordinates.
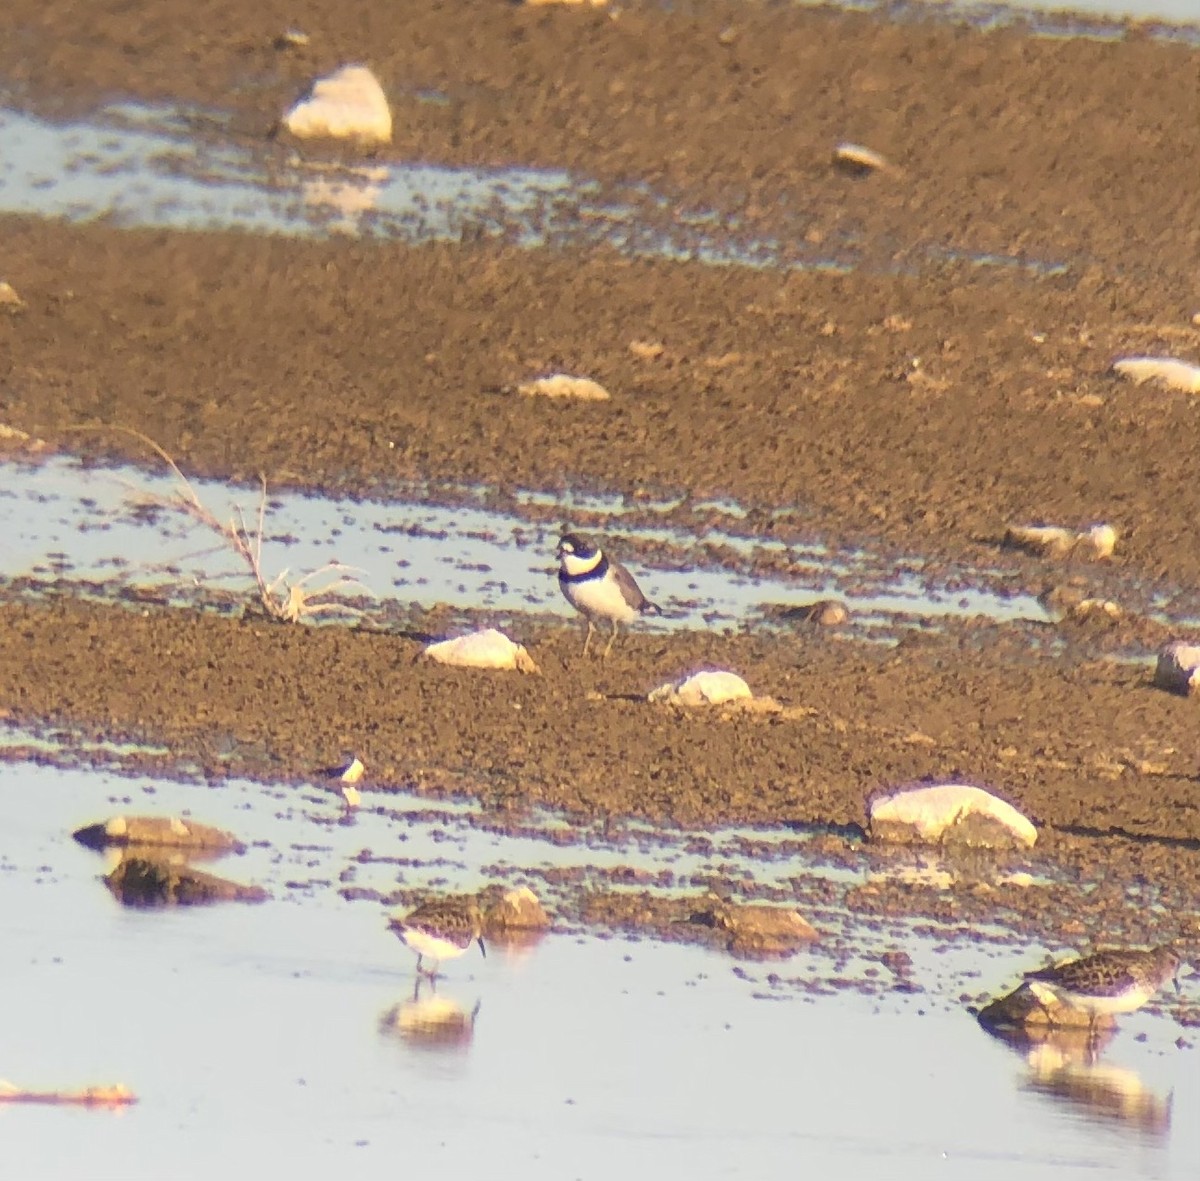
(601, 599)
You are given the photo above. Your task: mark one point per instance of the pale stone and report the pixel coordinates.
(1102, 540)
(647, 350)
(517, 909)
(167, 831)
(1056, 542)
(711, 687)
(16, 440)
(949, 811)
(1093, 609)
(1178, 667)
(822, 613)
(756, 930)
(1164, 371)
(10, 301)
(562, 385)
(347, 104)
(858, 159)
(482, 649)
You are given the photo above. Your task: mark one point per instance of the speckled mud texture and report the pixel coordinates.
(919, 402)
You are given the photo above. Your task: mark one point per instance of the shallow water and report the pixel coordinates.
(181, 168)
(91, 530)
(1057, 13)
(61, 520)
(270, 1034)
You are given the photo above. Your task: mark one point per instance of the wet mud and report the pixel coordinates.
(1089, 749)
(922, 401)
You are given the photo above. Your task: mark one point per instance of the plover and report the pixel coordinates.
(442, 929)
(599, 588)
(1108, 982)
(347, 774)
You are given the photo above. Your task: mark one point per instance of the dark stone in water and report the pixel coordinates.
(1022, 1013)
(152, 881)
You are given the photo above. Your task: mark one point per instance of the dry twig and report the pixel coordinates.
(290, 602)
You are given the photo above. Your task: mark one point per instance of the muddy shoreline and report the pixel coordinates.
(919, 402)
(1086, 745)
(916, 400)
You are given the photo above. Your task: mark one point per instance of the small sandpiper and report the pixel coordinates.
(1109, 982)
(599, 588)
(442, 929)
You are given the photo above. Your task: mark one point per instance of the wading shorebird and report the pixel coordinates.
(599, 588)
(440, 929)
(1106, 983)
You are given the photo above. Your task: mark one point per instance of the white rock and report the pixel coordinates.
(712, 687)
(1102, 540)
(1093, 609)
(562, 385)
(1178, 667)
(1056, 542)
(931, 814)
(1040, 539)
(10, 301)
(859, 159)
(482, 649)
(347, 104)
(1166, 371)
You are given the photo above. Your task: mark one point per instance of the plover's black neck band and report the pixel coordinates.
(599, 570)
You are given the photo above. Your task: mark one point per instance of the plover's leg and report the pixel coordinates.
(420, 959)
(611, 641)
(587, 643)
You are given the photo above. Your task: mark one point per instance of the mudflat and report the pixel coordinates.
(1042, 218)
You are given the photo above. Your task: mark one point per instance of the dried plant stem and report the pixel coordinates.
(280, 599)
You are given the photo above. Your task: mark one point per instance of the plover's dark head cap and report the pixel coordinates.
(575, 543)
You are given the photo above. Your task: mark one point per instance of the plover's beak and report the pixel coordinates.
(481, 946)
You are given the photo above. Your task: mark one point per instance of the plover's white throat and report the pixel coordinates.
(440, 929)
(599, 588)
(1106, 983)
